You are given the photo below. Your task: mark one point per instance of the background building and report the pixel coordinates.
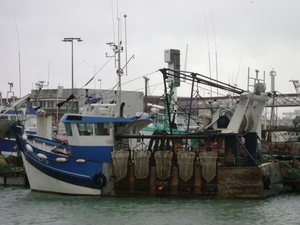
(47, 99)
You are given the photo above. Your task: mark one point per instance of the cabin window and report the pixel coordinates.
(85, 129)
(68, 129)
(102, 128)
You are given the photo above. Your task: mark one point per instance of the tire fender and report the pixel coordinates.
(99, 180)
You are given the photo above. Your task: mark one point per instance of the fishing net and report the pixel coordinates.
(163, 164)
(208, 162)
(120, 161)
(186, 164)
(141, 163)
(5, 129)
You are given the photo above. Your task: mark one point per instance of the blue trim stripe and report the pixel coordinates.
(71, 172)
(65, 173)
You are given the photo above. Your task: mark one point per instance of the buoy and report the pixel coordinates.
(160, 188)
(80, 160)
(24, 137)
(61, 159)
(42, 156)
(29, 148)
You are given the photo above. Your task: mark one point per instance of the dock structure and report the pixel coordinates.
(12, 172)
(13, 178)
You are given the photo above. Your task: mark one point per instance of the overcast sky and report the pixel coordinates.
(237, 34)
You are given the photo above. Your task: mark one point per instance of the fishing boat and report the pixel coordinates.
(105, 154)
(82, 164)
(220, 161)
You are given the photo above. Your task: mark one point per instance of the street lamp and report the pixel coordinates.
(71, 40)
(100, 88)
(100, 83)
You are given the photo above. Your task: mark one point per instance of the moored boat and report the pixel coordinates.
(81, 165)
(106, 154)
(220, 161)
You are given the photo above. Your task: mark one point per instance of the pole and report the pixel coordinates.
(100, 83)
(126, 43)
(119, 72)
(72, 66)
(72, 103)
(146, 93)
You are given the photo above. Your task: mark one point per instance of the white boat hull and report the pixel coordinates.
(41, 182)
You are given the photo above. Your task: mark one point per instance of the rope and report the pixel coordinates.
(279, 161)
(283, 162)
(265, 146)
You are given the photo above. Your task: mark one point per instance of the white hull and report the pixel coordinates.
(41, 182)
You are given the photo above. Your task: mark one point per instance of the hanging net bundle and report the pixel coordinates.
(141, 163)
(163, 164)
(208, 162)
(120, 162)
(186, 164)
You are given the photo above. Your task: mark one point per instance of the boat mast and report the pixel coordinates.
(19, 56)
(118, 49)
(172, 57)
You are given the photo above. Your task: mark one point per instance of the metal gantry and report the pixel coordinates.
(276, 99)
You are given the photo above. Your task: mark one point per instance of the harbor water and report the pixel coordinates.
(23, 206)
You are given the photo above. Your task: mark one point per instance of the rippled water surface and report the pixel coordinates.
(23, 206)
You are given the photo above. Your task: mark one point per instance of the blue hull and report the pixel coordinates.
(7, 145)
(82, 172)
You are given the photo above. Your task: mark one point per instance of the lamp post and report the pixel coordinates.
(100, 88)
(71, 40)
(100, 83)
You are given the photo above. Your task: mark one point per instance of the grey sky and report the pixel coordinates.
(260, 34)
